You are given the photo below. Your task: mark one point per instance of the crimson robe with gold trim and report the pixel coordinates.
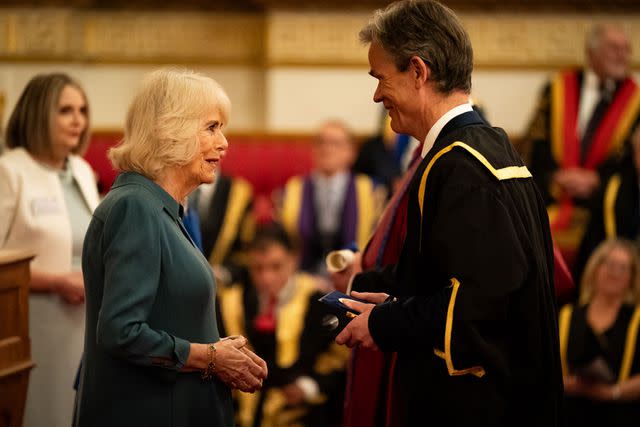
(555, 145)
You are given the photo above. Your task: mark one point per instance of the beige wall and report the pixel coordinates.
(283, 99)
(110, 88)
(301, 98)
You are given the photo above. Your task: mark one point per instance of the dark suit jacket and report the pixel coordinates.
(475, 322)
(377, 161)
(149, 293)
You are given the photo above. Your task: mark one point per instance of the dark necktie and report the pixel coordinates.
(265, 321)
(596, 117)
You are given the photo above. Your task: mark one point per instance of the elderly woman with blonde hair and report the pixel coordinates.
(599, 345)
(153, 355)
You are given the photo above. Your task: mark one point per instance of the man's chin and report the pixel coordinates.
(397, 127)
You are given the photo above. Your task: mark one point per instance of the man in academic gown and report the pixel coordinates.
(221, 222)
(472, 313)
(579, 129)
(615, 211)
(331, 207)
(278, 311)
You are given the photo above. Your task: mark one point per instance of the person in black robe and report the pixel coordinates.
(615, 212)
(473, 314)
(220, 220)
(580, 130)
(279, 313)
(599, 340)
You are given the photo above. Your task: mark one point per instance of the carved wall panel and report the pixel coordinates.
(315, 38)
(539, 40)
(42, 33)
(279, 38)
(186, 37)
(499, 40)
(131, 37)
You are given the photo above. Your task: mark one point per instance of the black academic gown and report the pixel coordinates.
(229, 225)
(475, 321)
(300, 346)
(377, 160)
(584, 345)
(541, 159)
(615, 212)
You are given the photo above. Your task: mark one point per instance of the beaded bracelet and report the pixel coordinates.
(208, 372)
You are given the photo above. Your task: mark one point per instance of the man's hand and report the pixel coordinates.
(356, 333)
(293, 394)
(374, 297)
(578, 182)
(574, 386)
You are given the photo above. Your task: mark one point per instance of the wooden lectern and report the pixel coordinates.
(15, 346)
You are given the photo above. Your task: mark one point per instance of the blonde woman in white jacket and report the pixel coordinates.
(47, 195)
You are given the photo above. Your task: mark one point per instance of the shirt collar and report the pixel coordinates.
(433, 133)
(591, 80)
(336, 179)
(170, 204)
(284, 295)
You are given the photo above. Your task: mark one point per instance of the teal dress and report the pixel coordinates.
(149, 293)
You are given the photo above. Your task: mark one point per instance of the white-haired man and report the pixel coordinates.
(578, 132)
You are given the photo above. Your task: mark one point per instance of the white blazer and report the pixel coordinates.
(33, 212)
(34, 217)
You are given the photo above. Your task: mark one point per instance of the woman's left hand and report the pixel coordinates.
(595, 391)
(572, 386)
(600, 392)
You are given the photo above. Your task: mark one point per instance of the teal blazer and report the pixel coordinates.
(149, 293)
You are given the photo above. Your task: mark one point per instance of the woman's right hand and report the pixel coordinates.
(70, 287)
(239, 367)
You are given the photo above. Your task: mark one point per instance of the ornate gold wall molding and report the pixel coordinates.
(539, 41)
(499, 40)
(279, 38)
(171, 37)
(37, 33)
(131, 37)
(296, 38)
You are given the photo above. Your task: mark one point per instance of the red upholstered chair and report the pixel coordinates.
(266, 161)
(96, 155)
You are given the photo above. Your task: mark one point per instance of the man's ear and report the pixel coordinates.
(420, 70)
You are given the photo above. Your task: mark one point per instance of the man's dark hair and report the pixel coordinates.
(269, 234)
(429, 30)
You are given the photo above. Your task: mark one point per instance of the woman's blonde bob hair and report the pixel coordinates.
(596, 259)
(164, 119)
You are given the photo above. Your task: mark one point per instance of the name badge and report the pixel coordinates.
(47, 205)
